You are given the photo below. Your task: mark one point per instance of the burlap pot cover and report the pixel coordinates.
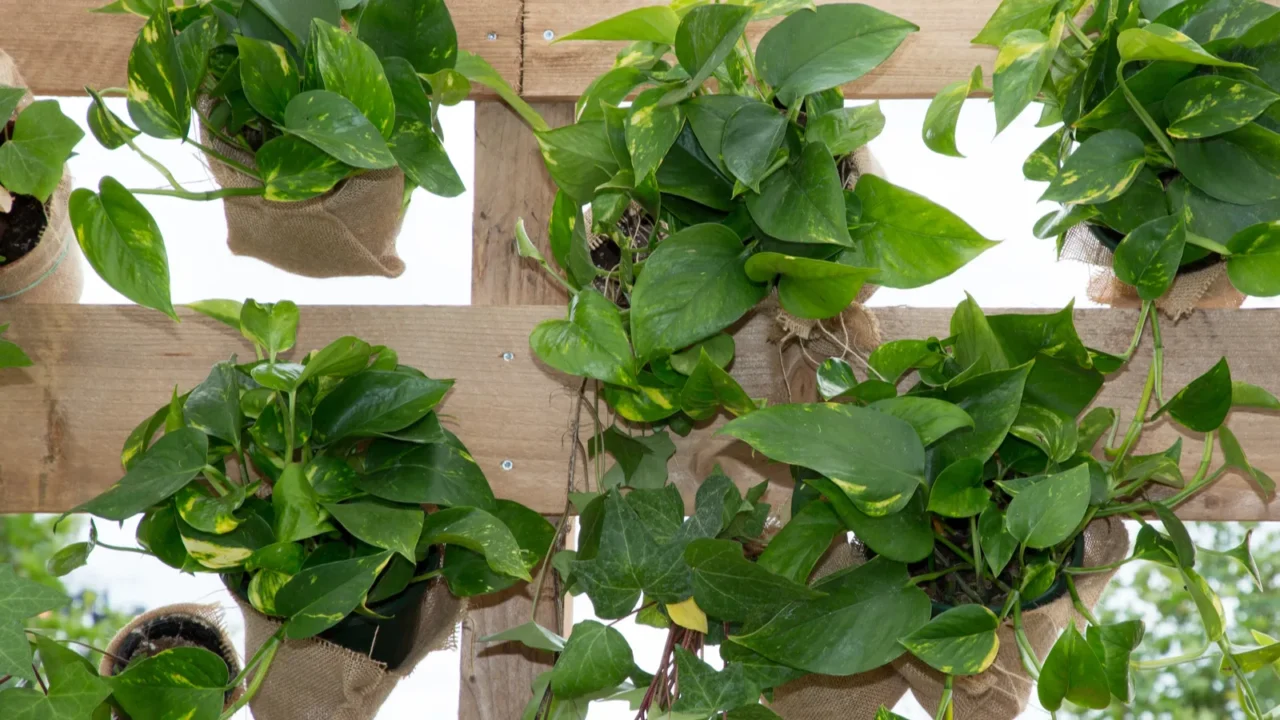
(52, 271)
(1000, 693)
(148, 638)
(350, 230)
(314, 679)
(1203, 288)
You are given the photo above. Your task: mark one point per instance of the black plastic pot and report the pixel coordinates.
(1055, 591)
(386, 639)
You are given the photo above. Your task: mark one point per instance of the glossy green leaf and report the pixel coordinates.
(1233, 455)
(1100, 169)
(298, 514)
(1254, 264)
(319, 597)
(20, 600)
(1208, 604)
(959, 491)
(943, 115)
(213, 407)
(171, 463)
(32, 158)
(960, 641)
(932, 419)
(122, 242)
(1214, 104)
(422, 32)
(641, 459)
(1013, 15)
(704, 690)
(803, 201)
(657, 24)
(376, 401)
(381, 524)
(422, 156)
(1114, 644)
(891, 360)
(592, 342)
(479, 531)
(1184, 548)
(719, 347)
(578, 157)
(271, 326)
(1240, 167)
(992, 400)
(1203, 404)
(796, 549)
(998, 546)
(853, 629)
(1021, 67)
(751, 137)
(878, 462)
(154, 688)
(1158, 42)
(807, 288)
(708, 115)
(650, 130)
(910, 240)
(1072, 672)
(108, 129)
(268, 77)
(293, 18)
(1042, 164)
(1053, 433)
(846, 129)
(596, 657)
(475, 69)
(436, 474)
(835, 377)
(706, 36)
(69, 558)
(1048, 512)
(669, 306)
(710, 388)
(209, 512)
(294, 169)
(531, 635)
(826, 48)
(332, 123)
(159, 100)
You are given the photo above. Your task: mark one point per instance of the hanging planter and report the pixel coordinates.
(39, 260)
(346, 521)
(1167, 164)
(317, 126)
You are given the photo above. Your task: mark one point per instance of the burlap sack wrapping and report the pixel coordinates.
(314, 679)
(52, 271)
(1205, 288)
(1000, 693)
(207, 617)
(350, 230)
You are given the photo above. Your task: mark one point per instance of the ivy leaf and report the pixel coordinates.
(1072, 672)
(187, 680)
(1114, 644)
(1203, 404)
(642, 460)
(596, 657)
(531, 635)
(592, 342)
(1048, 512)
(960, 641)
(319, 597)
(32, 158)
(1101, 169)
(704, 691)
(853, 629)
(943, 115)
(21, 599)
(910, 240)
(171, 463)
(878, 463)
(830, 46)
(693, 286)
(75, 690)
(159, 100)
(727, 586)
(123, 243)
(959, 491)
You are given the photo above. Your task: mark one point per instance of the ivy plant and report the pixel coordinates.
(1169, 137)
(722, 181)
(967, 467)
(34, 147)
(306, 485)
(312, 102)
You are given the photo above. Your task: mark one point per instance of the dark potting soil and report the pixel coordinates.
(20, 228)
(167, 632)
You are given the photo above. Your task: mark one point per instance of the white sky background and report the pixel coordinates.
(986, 189)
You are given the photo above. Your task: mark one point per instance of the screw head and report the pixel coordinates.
(492, 36)
(508, 356)
(549, 35)
(507, 464)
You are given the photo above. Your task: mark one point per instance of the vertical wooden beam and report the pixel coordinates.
(511, 183)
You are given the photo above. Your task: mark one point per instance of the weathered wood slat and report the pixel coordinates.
(92, 49)
(101, 369)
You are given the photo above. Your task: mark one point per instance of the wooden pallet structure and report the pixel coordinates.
(100, 368)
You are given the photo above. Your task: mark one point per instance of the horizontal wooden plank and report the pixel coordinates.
(61, 47)
(101, 369)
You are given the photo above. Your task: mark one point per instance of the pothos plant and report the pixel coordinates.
(11, 355)
(285, 82)
(970, 492)
(318, 489)
(724, 179)
(1168, 147)
(44, 677)
(34, 147)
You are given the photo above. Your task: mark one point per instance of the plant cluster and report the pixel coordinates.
(34, 147)
(285, 83)
(306, 485)
(723, 180)
(1169, 142)
(11, 355)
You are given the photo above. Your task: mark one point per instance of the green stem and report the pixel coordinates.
(211, 127)
(929, 577)
(1141, 112)
(1207, 244)
(263, 667)
(254, 661)
(969, 559)
(1135, 426)
(1137, 332)
(1157, 357)
(155, 164)
(203, 196)
(119, 548)
(1169, 661)
(1096, 568)
(1249, 699)
(977, 548)
(946, 710)
(426, 576)
(229, 162)
(1081, 608)
(1029, 660)
(1201, 479)
(1075, 30)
